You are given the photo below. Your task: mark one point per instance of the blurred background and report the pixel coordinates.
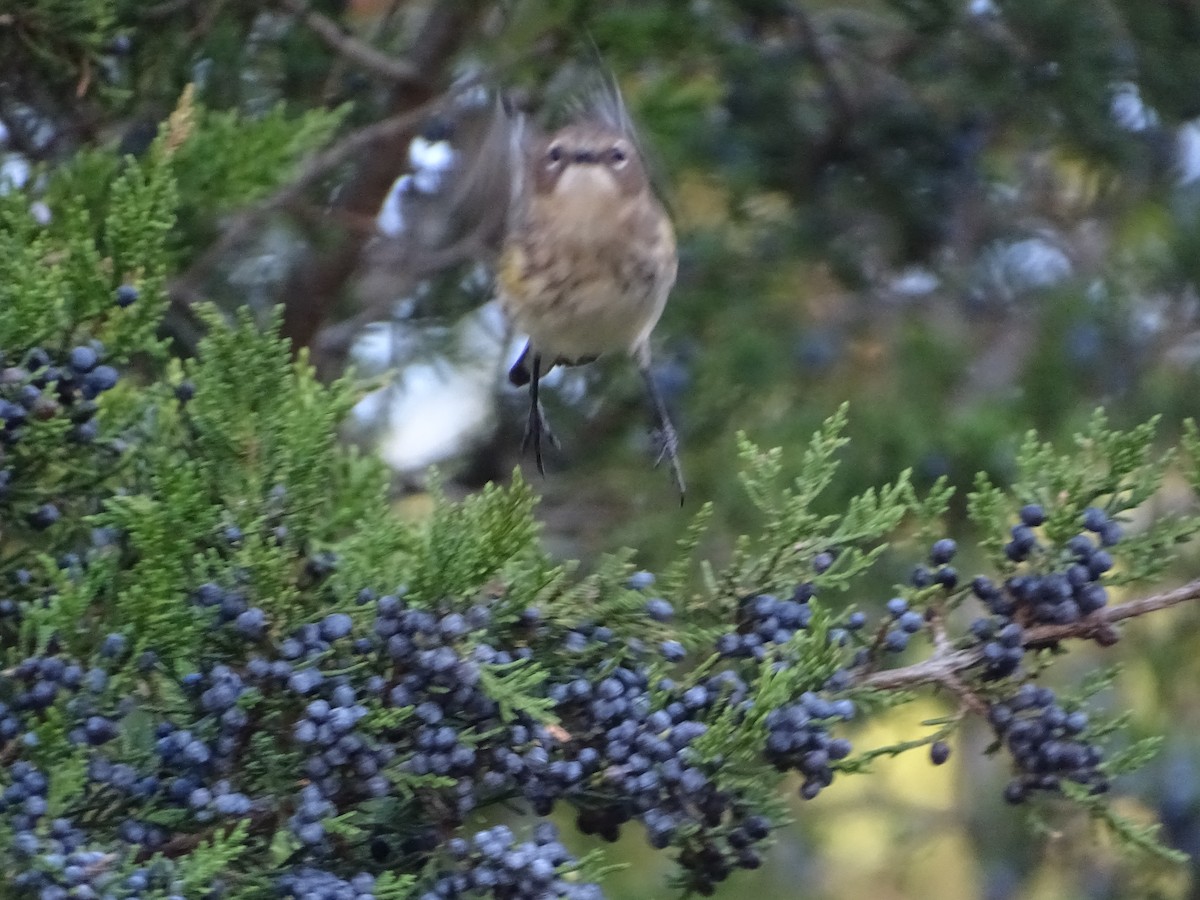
(968, 218)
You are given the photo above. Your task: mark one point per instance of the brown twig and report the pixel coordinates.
(351, 48)
(968, 697)
(186, 288)
(165, 9)
(943, 667)
(835, 91)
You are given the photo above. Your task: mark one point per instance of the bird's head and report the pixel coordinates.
(590, 163)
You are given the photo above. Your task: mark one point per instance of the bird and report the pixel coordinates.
(588, 259)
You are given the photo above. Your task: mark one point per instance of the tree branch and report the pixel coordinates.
(351, 48)
(944, 666)
(836, 93)
(187, 288)
(315, 286)
(165, 9)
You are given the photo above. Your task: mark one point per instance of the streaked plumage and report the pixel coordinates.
(589, 257)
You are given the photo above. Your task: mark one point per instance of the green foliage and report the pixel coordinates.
(467, 543)
(862, 761)
(736, 736)
(1139, 838)
(233, 160)
(1191, 446)
(62, 39)
(228, 160)
(213, 857)
(239, 484)
(1115, 471)
(1118, 473)
(519, 688)
(1135, 756)
(794, 532)
(74, 267)
(244, 485)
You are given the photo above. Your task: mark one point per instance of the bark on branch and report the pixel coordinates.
(1100, 626)
(351, 48)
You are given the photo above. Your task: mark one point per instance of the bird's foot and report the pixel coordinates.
(667, 441)
(537, 428)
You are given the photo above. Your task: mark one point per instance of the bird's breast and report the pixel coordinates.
(582, 291)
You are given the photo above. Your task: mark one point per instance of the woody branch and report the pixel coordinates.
(946, 664)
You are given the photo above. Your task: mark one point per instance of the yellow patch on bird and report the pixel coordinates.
(511, 272)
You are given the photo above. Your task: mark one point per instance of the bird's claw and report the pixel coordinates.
(667, 441)
(537, 428)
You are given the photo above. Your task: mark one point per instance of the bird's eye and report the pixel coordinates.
(618, 156)
(554, 155)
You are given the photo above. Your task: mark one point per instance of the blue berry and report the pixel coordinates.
(640, 581)
(672, 651)
(114, 645)
(939, 752)
(251, 623)
(1110, 534)
(336, 626)
(1094, 519)
(45, 516)
(83, 359)
(1033, 515)
(943, 551)
(659, 609)
(947, 577)
(99, 380)
(895, 641)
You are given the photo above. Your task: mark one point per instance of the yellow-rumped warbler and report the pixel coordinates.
(589, 258)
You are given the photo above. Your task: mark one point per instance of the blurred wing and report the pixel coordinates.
(521, 138)
(488, 186)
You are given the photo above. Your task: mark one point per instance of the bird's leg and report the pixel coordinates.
(664, 431)
(536, 427)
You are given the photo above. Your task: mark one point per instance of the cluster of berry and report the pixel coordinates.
(396, 696)
(492, 863)
(1070, 589)
(1047, 744)
(40, 389)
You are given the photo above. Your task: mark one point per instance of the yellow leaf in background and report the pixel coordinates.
(701, 202)
(1077, 184)
(906, 809)
(414, 507)
(768, 208)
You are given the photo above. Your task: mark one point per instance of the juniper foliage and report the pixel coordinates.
(230, 670)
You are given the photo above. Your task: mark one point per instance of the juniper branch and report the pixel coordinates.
(944, 665)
